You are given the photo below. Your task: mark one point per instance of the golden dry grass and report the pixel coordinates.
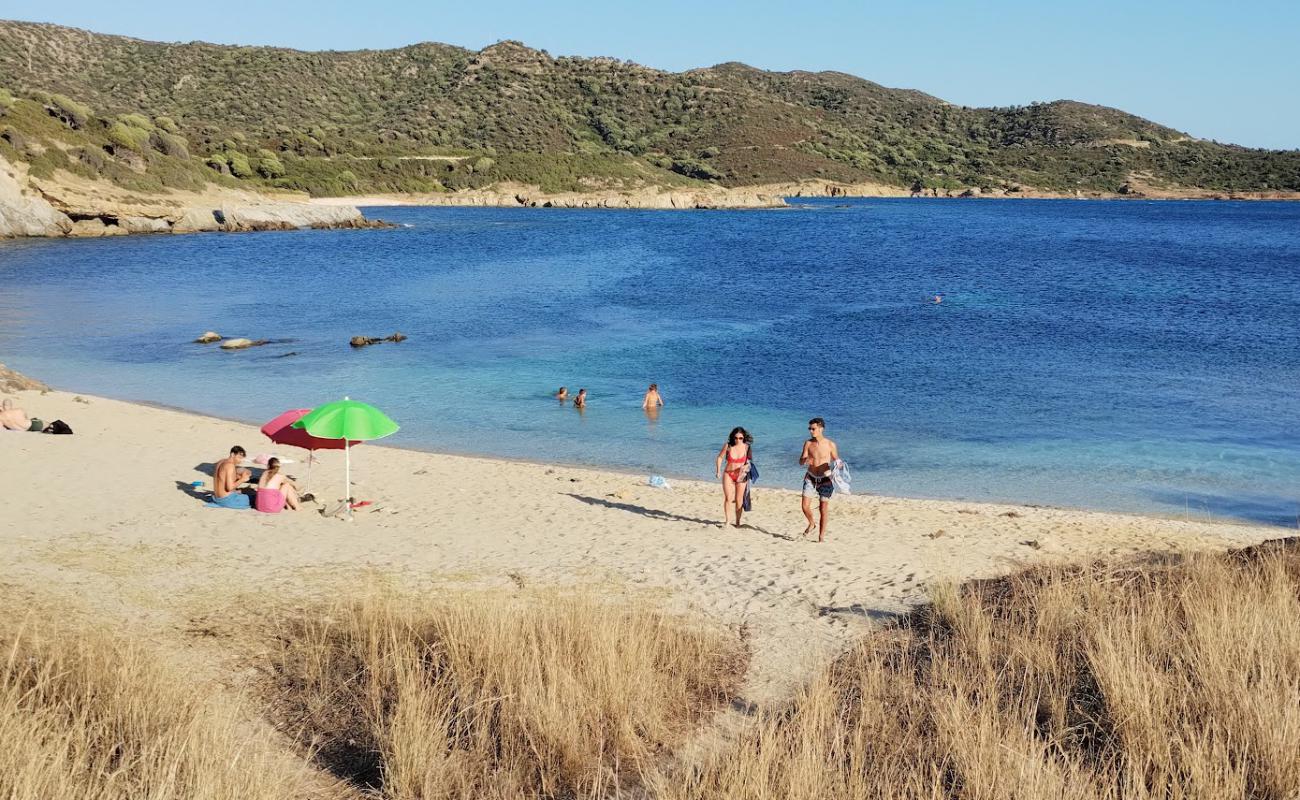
(88, 715)
(1170, 681)
(469, 696)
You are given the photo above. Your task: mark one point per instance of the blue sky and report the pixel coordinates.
(1217, 70)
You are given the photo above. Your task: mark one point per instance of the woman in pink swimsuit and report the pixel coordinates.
(735, 453)
(272, 479)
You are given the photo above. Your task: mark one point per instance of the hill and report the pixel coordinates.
(437, 118)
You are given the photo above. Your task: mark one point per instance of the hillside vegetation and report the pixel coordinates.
(433, 117)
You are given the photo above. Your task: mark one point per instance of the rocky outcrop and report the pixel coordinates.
(12, 381)
(509, 194)
(366, 341)
(208, 337)
(24, 212)
(70, 205)
(243, 344)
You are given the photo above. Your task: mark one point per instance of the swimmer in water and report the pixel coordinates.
(563, 394)
(581, 400)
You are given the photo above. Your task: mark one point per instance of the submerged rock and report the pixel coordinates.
(208, 338)
(243, 344)
(366, 341)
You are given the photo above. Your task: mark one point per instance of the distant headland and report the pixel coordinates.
(106, 134)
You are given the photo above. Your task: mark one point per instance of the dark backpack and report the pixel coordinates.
(58, 426)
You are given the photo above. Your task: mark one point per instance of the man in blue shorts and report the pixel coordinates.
(818, 459)
(226, 479)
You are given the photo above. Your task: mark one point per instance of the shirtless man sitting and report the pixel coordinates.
(13, 418)
(818, 458)
(226, 478)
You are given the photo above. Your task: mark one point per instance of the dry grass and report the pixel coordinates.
(476, 697)
(1167, 681)
(87, 715)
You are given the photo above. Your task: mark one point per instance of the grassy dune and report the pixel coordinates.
(1177, 678)
(1160, 681)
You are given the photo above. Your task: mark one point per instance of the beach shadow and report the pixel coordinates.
(766, 532)
(208, 468)
(859, 610)
(642, 510)
(192, 491)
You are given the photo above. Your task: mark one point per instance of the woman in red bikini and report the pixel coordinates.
(734, 477)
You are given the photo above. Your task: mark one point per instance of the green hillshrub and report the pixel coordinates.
(73, 114)
(269, 165)
(15, 139)
(131, 138)
(239, 165)
(6, 100)
(170, 144)
(166, 124)
(139, 121)
(92, 158)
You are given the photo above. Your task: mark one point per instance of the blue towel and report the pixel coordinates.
(236, 500)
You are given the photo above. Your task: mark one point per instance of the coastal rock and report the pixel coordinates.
(208, 338)
(366, 341)
(13, 381)
(26, 214)
(289, 216)
(144, 225)
(195, 220)
(93, 228)
(243, 344)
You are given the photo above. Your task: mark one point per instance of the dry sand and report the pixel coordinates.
(107, 518)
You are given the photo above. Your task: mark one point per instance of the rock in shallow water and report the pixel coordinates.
(243, 344)
(208, 337)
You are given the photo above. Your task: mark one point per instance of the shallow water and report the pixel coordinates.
(1117, 355)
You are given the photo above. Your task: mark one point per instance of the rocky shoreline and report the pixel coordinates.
(69, 206)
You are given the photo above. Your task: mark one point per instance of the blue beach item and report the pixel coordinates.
(840, 477)
(659, 482)
(235, 500)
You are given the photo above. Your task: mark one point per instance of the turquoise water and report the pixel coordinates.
(1118, 355)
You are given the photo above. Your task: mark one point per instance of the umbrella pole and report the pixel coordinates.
(347, 461)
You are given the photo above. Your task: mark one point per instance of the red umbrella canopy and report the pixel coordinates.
(281, 431)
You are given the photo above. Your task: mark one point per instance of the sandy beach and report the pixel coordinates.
(107, 518)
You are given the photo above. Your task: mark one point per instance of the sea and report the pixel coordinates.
(1118, 355)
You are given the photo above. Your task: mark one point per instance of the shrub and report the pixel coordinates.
(131, 138)
(93, 158)
(136, 121)
(87, 715)
(471, 696)
(73, 114)
(239, 164)
(269, 164)
(170, 144)
(166, 124)
(6, 100)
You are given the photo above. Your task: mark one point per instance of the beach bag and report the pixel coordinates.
(840, 477)
(58, 426)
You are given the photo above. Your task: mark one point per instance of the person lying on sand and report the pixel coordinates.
(273, 480)
(818, 458)
(13, 418)
(226, 479)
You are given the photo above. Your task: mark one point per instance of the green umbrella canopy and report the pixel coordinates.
(347, 419)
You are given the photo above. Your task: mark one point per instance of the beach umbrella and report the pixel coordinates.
(281, 431)
(347, 421)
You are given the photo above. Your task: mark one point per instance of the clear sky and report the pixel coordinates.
(1217, 70)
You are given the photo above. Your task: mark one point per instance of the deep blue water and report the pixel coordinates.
(1118, 355)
